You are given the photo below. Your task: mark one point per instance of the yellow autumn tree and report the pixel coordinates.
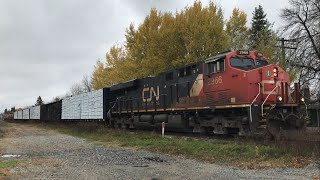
(98, 76)
(237, 30)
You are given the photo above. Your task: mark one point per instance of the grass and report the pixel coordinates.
(8, 164)
(247, 155)
(5, 166)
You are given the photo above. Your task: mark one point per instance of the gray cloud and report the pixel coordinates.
(46, 46)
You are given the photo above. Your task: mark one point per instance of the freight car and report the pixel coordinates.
(233, 92)
(86, 106)
(31, 113)
(51, 111)
(7, 116)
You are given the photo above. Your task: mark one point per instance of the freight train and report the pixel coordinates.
(234, 92)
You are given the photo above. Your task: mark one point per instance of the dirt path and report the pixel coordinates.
(47, 154)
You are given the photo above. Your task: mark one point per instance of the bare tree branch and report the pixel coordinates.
(86, 83)
(76, 89)
(302, 24)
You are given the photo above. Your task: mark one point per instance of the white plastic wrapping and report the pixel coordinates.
(19, 115)
(26, 114)
(35, 112)
(15, 115)
(83, 106)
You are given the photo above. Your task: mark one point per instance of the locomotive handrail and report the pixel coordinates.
(110, 110)
(268, 97)
(254, 101)
(290, 97)
(306, 109)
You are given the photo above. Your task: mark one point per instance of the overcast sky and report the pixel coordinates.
(48, 45)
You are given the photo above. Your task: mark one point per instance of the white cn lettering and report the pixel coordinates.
(152, 93)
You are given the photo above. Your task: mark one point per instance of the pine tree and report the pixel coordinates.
(39, 101)
(264, 40)
(261, 27)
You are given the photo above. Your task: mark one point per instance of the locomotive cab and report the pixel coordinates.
(241, 76)
(245, 79)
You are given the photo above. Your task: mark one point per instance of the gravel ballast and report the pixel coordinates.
(48, 154)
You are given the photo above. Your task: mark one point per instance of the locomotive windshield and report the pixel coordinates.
(247, 63)
(242, 63)
(260, 62)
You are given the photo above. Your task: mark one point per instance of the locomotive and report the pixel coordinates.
(234, 92)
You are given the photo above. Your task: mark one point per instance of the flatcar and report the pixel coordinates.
(234, 92)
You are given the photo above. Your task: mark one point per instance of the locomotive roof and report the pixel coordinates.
(216, 57)
(133, 82)
(124, 85)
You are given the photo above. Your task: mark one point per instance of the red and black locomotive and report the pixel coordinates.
(233, 92)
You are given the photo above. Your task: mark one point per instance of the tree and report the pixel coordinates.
(163, 41)
(6, 111)
(265, 40)
(56, 99)
(302, 26)
(98, 79)
(118, 66)
(76, 89)
(39, 101)
(261, 31)
(237, 30)
(86, 84)
(200, 32)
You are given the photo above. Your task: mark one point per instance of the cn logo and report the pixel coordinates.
(150, 93)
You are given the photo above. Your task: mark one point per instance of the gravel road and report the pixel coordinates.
(47, 154)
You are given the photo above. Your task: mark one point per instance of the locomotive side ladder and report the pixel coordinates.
(263, 122)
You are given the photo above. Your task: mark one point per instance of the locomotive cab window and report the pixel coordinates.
(216, 66)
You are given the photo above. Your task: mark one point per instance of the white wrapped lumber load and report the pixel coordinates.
(35, 112)
(87, 106)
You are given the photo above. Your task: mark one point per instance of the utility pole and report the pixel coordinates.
(283, 47)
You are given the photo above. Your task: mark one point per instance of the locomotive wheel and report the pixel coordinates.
(294, 122)
(273, 129)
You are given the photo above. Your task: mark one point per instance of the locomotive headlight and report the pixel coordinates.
(275, 72)
(279, 98)
(302, 99)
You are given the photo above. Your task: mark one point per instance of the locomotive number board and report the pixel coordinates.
(243, 52)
